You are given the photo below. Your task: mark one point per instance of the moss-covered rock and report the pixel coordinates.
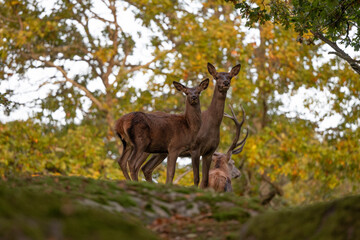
(49, 209)
(82, 208)
(339, 219)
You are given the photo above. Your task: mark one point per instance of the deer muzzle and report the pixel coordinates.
(193, 100)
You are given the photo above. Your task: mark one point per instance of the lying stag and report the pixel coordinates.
(220, 176)
(208, 137)
(144, 133)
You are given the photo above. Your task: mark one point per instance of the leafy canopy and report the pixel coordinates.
(331, 21)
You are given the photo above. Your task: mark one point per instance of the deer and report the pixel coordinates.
(144, 133)
(224, 168)
(208, 137)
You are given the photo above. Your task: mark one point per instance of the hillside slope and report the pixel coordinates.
(82, 208)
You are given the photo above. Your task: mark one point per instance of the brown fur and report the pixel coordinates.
(144, 133)
(219, 176)
(208, 137)
(224, 169)
(218, 180)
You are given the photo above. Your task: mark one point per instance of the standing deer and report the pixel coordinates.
(144, 133)
(208, 137)
(220, 176)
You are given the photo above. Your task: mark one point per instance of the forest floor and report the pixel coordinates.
(83, 208)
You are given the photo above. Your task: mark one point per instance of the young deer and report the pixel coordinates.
(208, 137)
(144, 133)
(220, 176)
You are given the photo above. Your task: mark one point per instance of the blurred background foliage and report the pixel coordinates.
(310, 163)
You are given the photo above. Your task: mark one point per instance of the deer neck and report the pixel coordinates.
(193, 116)
(217, 105)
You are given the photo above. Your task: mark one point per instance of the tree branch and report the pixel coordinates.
(177, 180)
(276, 186)
(138, 67)
(81, 87)
(91, 41)
(338, 51)
(115, 40)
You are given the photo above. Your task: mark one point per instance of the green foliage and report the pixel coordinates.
(31, 148)
(334, 18)
(6, 104)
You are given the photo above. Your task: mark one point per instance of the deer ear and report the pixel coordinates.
(216, 154)
(211, 69)
(235, 70)
(179, 87)
(204, 84)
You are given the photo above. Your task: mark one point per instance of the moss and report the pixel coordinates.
(180, 198)
(124, 200)
(149, 207)
(231, 214)
(35, 211)
(143, 185)
(165, 209)
(185, 190)
(189, 205)
(213, 198)
(232, 236)
(250, 203)
(52, 207)
(333, 220)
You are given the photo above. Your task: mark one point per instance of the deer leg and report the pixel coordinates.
(150, 165)
(123, 160)
(135, 155)
(140, 161)
(133, 174)
(205, 170)
(195, 160)
(171, 165)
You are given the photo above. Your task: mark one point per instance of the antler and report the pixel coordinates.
(236, 147)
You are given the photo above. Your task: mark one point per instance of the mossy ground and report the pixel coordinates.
(338, 219)
(48, 208)
(83, 208)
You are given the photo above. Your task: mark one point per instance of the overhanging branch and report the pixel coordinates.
(338, 51)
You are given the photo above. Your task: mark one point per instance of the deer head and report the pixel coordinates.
(223, 79)
(192, 94)
(224, 168)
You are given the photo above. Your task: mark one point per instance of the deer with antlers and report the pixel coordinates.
(220, 176)
(208, 137)
(144, 133)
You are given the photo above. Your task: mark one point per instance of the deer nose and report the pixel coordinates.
(227, 83)
(193, 98)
